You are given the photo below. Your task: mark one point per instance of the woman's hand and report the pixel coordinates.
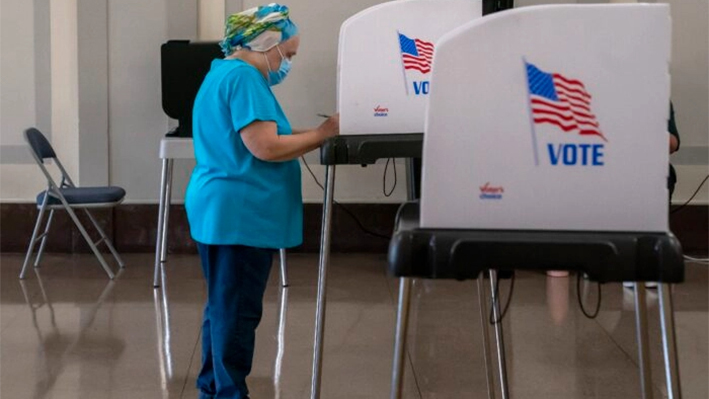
(330, 128)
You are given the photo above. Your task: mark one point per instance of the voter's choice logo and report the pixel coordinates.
(380, 111)
(489, 192)
(416, 57)
(563, 104)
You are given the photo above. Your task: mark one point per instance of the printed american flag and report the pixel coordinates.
(416, 54)
(560, 101)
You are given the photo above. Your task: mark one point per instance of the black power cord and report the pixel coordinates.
(344, 208)
(598, 285)
(497, 298)
(578, 296)
(690, 198)
(384, 179)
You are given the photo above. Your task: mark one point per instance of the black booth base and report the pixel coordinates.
(367, 149)
(464, 254)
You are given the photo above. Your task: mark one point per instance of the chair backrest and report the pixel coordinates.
(39, 144)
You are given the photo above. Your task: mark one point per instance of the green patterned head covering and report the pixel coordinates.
(258, 29)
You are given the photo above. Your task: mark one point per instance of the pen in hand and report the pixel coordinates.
(331, 125)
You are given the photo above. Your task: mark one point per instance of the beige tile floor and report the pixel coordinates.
(70, 333)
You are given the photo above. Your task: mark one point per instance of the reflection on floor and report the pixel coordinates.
(67, 332)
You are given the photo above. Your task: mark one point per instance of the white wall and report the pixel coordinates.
(133, 124)
(210, 24)
(17, 65)
(17, 93)
(137, 28)
(65, 84)
(92, 62)
(35, 35)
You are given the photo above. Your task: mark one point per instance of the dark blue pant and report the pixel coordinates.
(236, 280)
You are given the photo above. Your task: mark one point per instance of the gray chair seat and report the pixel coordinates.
(85, 195)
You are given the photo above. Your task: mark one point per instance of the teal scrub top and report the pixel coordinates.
(234, 198)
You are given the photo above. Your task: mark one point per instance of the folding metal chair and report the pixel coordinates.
(67, 196)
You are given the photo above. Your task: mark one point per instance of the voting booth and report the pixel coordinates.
(562, 128)
(546, 148)
(385, 59)
(384, 62)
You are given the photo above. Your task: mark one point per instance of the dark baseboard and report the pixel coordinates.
(133, 228)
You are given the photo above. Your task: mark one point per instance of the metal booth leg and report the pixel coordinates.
(402, 326)
(282, 320)
(499, 337)
(482, 301)
(322, 282)
(642, 338)
(284, 264)
(669, 343)
(402, 314)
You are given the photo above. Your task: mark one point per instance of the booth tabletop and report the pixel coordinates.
(367, 149)
(176, 148)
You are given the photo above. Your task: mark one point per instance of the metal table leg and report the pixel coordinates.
(669, 343)
(482, 301)
(499, 337)
(166, 218)
(322, 278)
(162, 323)
(643, 341)
(161, 222)
(402, 325)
